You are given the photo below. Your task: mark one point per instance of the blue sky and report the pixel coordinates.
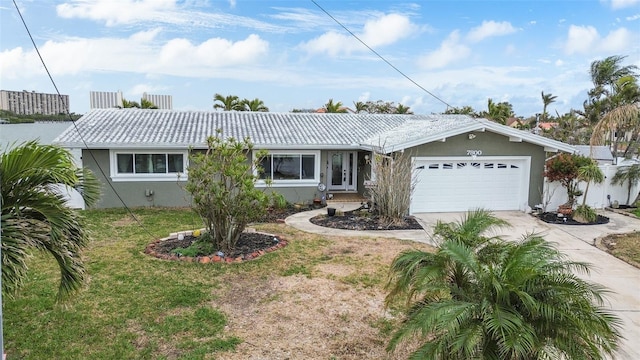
(292, 55)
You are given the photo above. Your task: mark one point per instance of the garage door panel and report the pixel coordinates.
(462, 184)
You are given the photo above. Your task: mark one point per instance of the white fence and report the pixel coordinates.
(598, 196)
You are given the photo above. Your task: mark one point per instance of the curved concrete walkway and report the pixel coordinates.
(301, 221)
(576, 241)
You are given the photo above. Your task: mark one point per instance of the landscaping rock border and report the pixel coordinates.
(151, 250)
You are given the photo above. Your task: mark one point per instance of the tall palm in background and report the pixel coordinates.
(147, 104)
(401, 109)
(35, 216)
(480, 297)
(360, 107)
(547, 99)
(498, 112)
(227, 103)
(254, 105)
(334, 107)
(625, 120)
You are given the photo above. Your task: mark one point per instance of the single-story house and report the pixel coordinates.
(460, 163)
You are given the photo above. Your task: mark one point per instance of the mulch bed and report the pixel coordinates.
(254, 244)
(553, 218)
(360, 219)
(250, 245)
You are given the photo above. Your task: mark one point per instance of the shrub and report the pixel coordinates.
(278, 201)
(564, 168)
(202, 246)
(222, 184)
(394, 185)
(585, 214)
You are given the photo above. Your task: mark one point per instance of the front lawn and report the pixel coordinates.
(317, 298)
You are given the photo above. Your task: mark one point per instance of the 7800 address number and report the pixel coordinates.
(474, 152)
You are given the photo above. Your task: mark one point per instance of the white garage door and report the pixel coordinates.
(462, 184)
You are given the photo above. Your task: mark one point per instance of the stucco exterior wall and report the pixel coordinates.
(165, 193)
(491, 144)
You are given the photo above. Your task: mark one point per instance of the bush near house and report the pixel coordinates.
(395, 183)
(222, 183)
(564, 169)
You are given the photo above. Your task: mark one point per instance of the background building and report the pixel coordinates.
(108, 99)
(105, 99)
(30, 102)
(161, 101)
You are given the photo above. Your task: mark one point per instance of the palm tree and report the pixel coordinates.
(331, 107)
(401, 109)
(547, 99)
(479, 297)
(254, 105)
(147, 104)
(498, 112)
(622, 118)
(35, 217)
(608, 71)
(360, 107)
(628, 174)
(130, 104)
(590, 173)
(227, 103)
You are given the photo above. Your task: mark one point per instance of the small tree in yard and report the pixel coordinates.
(630, 175)
(588, 173)
(394, 185)
(222, 183)
(564, 168)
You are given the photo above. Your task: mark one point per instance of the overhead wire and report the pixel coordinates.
(380, 56)
(68, 113)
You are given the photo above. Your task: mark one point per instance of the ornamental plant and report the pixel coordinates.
(222, 184)
(565, 169)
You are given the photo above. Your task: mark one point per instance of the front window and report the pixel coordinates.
(156, 164)
(290, 167)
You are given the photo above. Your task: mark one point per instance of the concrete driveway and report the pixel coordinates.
(577, 243)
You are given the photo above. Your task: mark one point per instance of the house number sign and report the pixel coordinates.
(474, 152)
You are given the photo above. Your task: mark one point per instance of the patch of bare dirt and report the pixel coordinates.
(315, 317)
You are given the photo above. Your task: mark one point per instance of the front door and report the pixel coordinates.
(342, 171)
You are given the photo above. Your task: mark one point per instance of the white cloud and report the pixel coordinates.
(215, 52)
(450, 50)
(232, 4)
(365, 96)
(586, 39)
(633, 17)
(621, 4)
(140, 53)
(118, 12)
(384, 30)
(115, 12)
(138, 89)
(490, 29)
(559, 62)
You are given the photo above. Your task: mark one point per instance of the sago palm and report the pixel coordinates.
(480, 297)
(628, 174)
(35, 216)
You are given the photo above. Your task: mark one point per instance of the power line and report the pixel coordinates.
(86, 146)
(380, 56)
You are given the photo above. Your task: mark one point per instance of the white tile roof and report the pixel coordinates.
(153, 128)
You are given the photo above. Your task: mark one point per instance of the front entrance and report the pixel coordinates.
(342, 171)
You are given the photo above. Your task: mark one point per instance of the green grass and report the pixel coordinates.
(134, 307)
(138, 307)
